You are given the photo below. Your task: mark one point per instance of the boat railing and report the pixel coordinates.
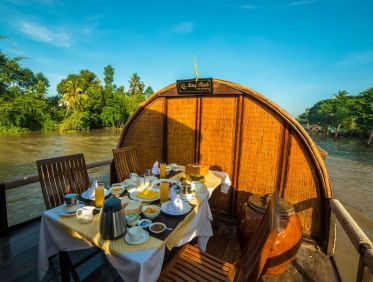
(22, 182)
(359, 240)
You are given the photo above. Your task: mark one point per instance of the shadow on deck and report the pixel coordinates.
(19, 251)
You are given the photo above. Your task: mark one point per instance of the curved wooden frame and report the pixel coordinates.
(295, 130)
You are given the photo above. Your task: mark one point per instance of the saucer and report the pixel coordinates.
(142, 240)
(85, 195)
(72, 210)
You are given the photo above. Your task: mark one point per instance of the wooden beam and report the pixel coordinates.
(3, 211)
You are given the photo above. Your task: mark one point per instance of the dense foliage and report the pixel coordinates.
(343, 113)
(82, 101)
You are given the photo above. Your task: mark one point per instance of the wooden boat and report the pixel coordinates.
(235, 129)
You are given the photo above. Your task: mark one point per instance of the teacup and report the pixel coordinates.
(85, 214)
(136, 233)
(70, 200)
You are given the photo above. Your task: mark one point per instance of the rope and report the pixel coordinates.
(358, 238)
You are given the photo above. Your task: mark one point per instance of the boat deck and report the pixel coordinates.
(19, 251)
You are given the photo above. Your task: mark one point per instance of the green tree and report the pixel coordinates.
(108, 79)
(364, 111)
(148, 91)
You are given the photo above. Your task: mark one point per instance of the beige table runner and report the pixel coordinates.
(90, 231)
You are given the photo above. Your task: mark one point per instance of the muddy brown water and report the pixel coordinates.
(349, 163)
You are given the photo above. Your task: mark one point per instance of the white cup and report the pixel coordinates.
(85, 214)
(133, 176)
(135, 233)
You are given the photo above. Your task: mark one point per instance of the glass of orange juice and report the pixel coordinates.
(99, 195)
(162, 170)
(164, 192)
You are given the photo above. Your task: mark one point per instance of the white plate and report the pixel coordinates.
(156, 183)
(143, 240)
(186, 208)
(173, 167)
(134, 197)
(129, 182)
(85, 196)
(71, 211)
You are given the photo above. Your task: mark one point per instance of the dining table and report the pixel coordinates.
(140, 262)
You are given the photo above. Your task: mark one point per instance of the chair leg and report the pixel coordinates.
(67, 267)
(64, 269)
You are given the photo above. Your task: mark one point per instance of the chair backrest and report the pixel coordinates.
(126, 161)
(61, 175)
(254, 255)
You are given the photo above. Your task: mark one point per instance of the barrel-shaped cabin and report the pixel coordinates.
(239, 131)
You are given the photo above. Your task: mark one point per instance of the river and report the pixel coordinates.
(349, 163)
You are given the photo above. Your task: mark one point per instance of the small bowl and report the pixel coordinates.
(148, 211)
(144, 223)
(133, 219)
(157, 227)
(117, 189)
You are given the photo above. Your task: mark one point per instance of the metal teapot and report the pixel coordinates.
(112, 221)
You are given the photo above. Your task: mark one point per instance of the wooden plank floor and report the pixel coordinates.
(19, 259)
(19, 248)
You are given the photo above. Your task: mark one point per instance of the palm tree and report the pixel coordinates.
(74, 96)
(136, 85)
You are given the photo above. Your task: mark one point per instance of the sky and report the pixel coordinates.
(295, 52)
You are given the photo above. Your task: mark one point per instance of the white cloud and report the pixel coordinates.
(302, 2)
(43, 34)
(183, 28)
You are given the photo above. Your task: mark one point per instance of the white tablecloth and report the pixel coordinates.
(144, 265)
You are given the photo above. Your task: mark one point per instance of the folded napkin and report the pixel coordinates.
(155, 169)
(173, 167)
(91, 190)
(176, 204)
(225, 183)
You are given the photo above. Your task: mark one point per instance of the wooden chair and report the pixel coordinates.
(61, 175)
(126, 161)
(190, 264)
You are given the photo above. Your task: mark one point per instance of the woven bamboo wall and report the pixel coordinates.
(181, 126)
(147, 134)
(301, 189)
(260, 148)
(239, 131)
(218, 122)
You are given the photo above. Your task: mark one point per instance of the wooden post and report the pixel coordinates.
(332, 235)
(3, 211)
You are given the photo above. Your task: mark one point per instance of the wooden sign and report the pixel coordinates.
(191, 86)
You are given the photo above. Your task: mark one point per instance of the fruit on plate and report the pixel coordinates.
(147, 194)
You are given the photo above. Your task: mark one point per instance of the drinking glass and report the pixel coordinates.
(99, 194)
(164, 187)
(147, 175)
(162, 168)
